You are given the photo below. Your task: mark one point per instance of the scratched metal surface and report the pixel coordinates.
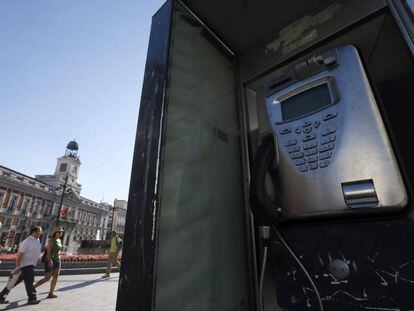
(381, 260)
(136, 282)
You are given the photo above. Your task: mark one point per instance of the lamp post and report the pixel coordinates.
(26, 216)
(61, 199)
(113, 209)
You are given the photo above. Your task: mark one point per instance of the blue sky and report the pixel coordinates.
(73, 69)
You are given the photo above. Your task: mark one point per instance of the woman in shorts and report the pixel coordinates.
(52, 264)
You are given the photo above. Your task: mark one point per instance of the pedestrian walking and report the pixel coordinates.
(114, 249)
(52, 262)
(26, 260)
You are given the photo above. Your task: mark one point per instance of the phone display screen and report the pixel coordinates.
(306, 102)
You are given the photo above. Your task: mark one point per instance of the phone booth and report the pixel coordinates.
(273, 163)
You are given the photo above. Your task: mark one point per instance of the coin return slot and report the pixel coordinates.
(359, 194)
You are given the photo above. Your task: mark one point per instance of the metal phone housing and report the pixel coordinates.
(333, 154)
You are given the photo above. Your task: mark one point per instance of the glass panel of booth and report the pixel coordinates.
(202, 262)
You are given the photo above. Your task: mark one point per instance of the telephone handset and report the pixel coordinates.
(331, 149)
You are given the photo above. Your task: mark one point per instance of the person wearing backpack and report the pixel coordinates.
(51, 259)
(114, 249)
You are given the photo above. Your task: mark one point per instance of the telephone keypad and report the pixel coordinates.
(309, 145)
(330, 116)
(311, 159)
(285, 131)
(307, 130)
(325, 155)
(299, 161)
(328, 130)
(308, 137)
(326, 147)
(293, 149)
(317, 143)
(296, 155)
(324, 163)
(290, 142)
(311, 151)
(307, 123)
(313, 166)
(328, 139)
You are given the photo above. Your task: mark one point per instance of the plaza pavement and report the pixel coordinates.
(75, 292)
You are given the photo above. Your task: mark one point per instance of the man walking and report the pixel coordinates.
(115, 248)
(26, 260)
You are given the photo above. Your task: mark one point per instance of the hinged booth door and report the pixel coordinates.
(186, 213)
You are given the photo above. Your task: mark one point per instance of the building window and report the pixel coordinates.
(36, 211)
(47, 209)
(55, 209)
(74, 169)
(63, 167)
(13, 202)
(1, 198)
(7, 223)
(25, 206)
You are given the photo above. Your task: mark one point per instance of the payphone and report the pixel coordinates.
(338, 152)
(332, 152)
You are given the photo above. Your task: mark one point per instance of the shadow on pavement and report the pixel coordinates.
(83, 284)
(15, 305)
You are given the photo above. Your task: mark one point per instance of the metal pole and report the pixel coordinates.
(112, 220)
(23, 227)
(61, 200)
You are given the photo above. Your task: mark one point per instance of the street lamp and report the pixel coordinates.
(113, 209)
(61, 199)
(26, 216)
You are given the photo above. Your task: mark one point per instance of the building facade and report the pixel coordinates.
(47, 200)
(118, 222)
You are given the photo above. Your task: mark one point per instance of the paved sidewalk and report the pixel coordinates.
(76, 292)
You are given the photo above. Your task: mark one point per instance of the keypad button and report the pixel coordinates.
(316, 124)
(293, 149)
(303, 168)
(324, 163)
(326, 147)
(296, 155)
(298, 130)
(330, 116)
(285, 131)
(311, 151)
(313, 166)
(308, 137)
(306, 123)
(328, 130)
(328, 139)
(299, 161)
(325, 155)
(290, 142)
(311, 159)
(307, 130)
(310, 145)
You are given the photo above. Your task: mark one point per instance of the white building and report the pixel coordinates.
(46, 199)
